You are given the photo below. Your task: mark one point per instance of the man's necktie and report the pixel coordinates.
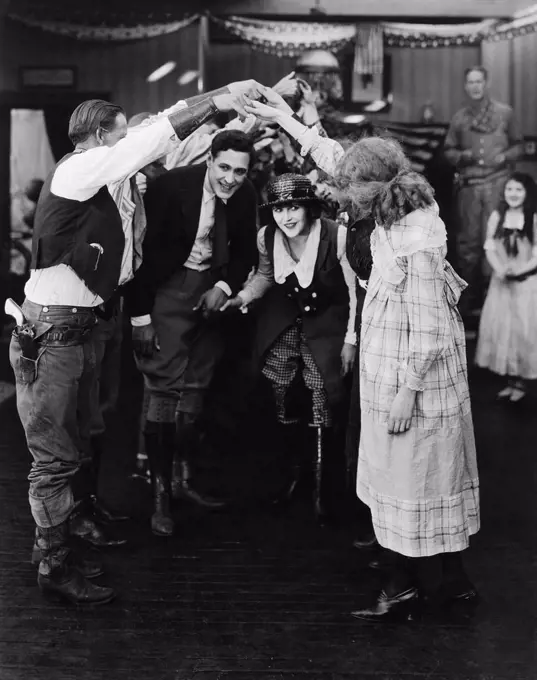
(139, 224)
(219, 235)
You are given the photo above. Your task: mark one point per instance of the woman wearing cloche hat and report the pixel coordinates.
(306, 318)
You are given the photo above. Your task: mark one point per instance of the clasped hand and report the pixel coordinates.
(211, 301)
(240, 93)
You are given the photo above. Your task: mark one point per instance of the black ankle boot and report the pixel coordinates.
(56, 574)
(187, 446)
(159, 442)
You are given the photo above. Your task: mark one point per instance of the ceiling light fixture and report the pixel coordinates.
(187, 77)
(161, 72)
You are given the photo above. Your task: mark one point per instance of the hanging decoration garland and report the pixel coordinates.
(103, 32)
(524, 22)
(282, 38)
(289, 38)
(429, 35)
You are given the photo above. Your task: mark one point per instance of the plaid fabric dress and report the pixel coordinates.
(422, 485)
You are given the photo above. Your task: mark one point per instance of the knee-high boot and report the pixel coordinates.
(327, 472)
(159, 442)
(58, 576)
(101, 512)
(290, 460)
(187, 447)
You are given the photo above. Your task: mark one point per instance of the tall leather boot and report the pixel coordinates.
(58, 577)
(159, 442)
(323, 444)
(101, 512)
(87, 562)
(291, 460)
(187, 445)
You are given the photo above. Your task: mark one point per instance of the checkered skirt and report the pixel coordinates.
(421, 486)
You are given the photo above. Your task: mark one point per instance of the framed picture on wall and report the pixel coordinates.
(366, 93)
(48, 77)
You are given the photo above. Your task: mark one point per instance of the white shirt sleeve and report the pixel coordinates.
(350, 280)
(82, 175)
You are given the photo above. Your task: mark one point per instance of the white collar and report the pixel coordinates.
(285, 265)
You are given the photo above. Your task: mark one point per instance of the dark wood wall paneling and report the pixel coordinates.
(120, 69)
(524, 76)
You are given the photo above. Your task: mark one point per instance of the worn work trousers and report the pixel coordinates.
(54, 404)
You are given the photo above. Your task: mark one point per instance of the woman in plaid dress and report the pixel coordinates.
(417, 467)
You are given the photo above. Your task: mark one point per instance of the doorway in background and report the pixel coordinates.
(33, 137)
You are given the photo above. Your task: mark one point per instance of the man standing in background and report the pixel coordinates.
(482, 142)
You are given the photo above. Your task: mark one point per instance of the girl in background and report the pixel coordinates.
(507, 342)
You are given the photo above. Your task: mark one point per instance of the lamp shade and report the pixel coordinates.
(318, 61)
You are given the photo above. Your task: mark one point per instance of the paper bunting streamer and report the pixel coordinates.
(104, 33)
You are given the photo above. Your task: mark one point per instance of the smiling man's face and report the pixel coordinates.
(227, 172)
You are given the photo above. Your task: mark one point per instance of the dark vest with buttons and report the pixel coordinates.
(322, 308)
(64, 231)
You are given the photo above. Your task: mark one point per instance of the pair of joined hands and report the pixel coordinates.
(145, 340)
(249, 98)
(511, 274)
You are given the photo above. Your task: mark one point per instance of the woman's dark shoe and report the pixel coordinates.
(450, 593)
(389, 606)
(366, 542)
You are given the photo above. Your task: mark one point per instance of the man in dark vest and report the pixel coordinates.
(78, 250)
(199, 248)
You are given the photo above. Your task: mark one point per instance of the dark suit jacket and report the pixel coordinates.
(173, 206)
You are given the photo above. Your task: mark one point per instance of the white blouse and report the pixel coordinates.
(284, 265)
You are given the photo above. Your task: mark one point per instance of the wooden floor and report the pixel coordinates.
(247, 595)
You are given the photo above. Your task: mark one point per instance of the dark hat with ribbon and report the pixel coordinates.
(290, 188)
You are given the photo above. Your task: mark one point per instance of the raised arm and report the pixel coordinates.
(325, 153)
(84, 173)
